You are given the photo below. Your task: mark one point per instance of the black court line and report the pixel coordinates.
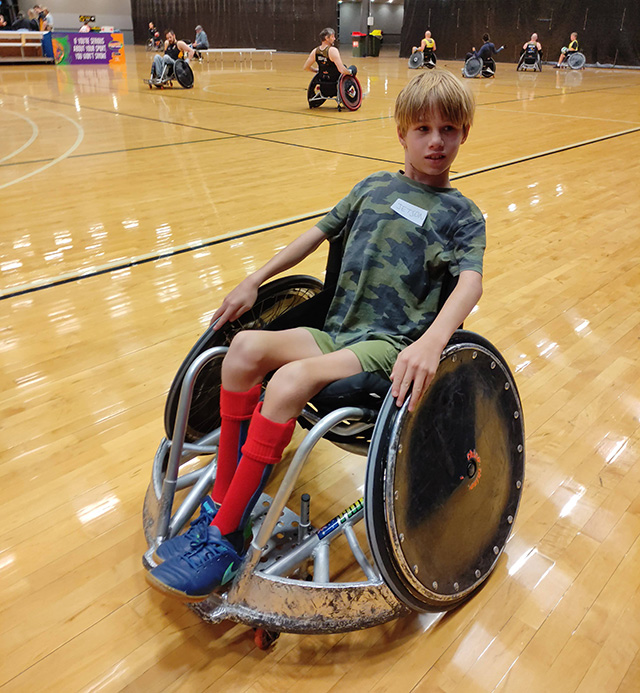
(258, 136)
(228, 135)
(262, 136)
(291, 222)
(123, 151)
(161, 256)
(558, 150)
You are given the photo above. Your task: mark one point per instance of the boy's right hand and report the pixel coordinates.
(235, 303)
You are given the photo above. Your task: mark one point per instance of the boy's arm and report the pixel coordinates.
(418, 363)
(244, 295)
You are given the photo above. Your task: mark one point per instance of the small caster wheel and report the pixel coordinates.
(150, 86)
(264, 639)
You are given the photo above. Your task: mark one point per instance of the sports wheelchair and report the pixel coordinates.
(442, 487)
(422, 59)
(347, 91)
(473, 67)
(531, 59)
(180, 71)
(155, 43)
(575, 60)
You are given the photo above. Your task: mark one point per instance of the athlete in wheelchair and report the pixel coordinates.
(333, 79)
(172, 65)
(531, 55)
(424, 55)
(481, 62)
(387, 371)
(571, 56)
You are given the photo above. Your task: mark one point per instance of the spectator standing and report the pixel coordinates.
(48, 20)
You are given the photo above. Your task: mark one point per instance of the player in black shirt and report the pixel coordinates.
(173, 49)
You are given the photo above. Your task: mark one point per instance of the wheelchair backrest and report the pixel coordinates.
(313, 312)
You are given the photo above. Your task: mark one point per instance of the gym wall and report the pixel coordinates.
(607, 31)
(115, 13)
(284, 25)
(387, 18)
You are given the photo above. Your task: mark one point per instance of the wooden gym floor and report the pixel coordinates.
(126, 216)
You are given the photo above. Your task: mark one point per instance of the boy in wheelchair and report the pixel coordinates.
(573, 47)
(402, 233)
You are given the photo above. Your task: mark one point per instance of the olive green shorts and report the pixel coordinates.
(375, 355)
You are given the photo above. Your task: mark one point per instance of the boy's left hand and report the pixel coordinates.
(416, 364)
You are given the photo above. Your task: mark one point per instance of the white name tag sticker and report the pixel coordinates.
(410, 212)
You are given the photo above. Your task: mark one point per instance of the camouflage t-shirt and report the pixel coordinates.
(400, 238)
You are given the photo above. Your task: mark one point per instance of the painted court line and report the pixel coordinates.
(69, 151)
(195, 245)
(34, 134)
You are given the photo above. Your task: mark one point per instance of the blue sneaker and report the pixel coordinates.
(180, 544)
(210, 562)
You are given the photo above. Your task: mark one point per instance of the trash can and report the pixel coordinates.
(358, 41)
(374, 41)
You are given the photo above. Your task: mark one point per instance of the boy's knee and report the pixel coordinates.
(290, 382)
(246, 350)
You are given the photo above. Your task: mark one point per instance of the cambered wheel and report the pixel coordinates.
(350, 92)
(489, 68)
(274, 299)
(416, 60)
(314, 95)
(183, 73)
(576, 61)
(444, 482)
(472, 68)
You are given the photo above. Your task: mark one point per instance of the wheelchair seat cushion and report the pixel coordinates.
(361, 390)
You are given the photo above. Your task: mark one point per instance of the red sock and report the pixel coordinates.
(265, 444)
(236, 409)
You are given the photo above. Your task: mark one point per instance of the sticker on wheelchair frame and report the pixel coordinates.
(410, 212)
(341, 518)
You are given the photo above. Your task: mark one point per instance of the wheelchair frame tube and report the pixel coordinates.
(290, 478)
(182, 415)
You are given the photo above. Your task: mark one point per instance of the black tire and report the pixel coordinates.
(183, 73)
(274, 299)
(489, 68)
(315, 98)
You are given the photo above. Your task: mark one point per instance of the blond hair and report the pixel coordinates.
(434, 91)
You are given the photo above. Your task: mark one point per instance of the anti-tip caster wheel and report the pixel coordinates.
(264, 639)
